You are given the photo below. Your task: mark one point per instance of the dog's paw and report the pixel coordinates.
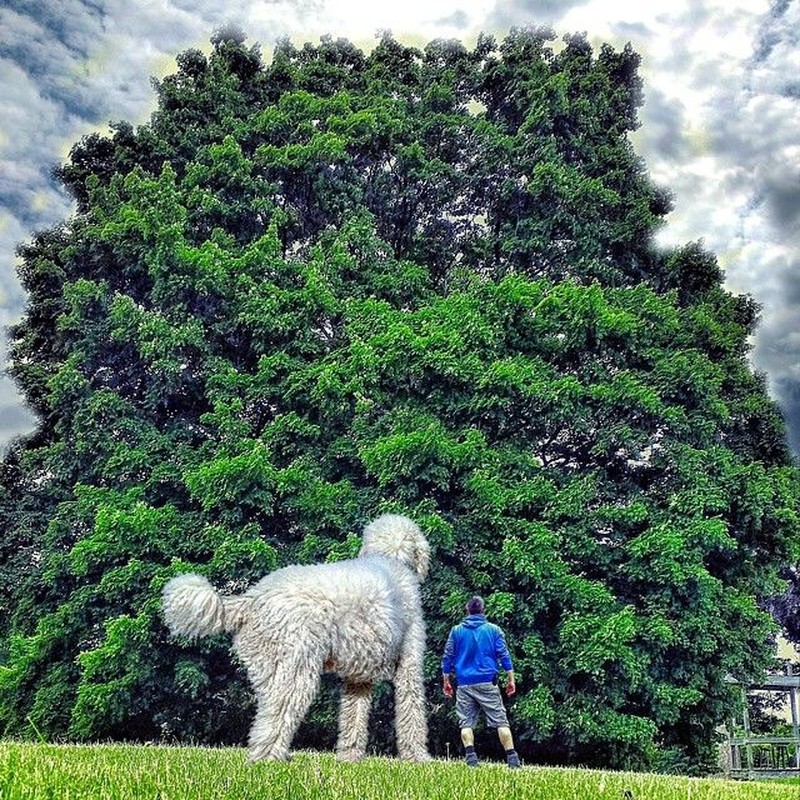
(417, 756)
(350, 756)
(257, 754)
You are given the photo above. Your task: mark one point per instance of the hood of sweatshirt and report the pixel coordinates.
(474, 621)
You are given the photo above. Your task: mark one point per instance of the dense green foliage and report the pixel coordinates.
(425, 281)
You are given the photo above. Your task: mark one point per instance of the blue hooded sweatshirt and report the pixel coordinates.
(473, 651)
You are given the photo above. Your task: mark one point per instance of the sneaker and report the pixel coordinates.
(513, 761)
(471, 760)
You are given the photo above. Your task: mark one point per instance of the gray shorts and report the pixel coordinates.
(477, 697)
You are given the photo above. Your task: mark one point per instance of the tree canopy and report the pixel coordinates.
(335, 284)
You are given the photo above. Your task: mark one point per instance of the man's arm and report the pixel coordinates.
(447, 687)
(504, 657)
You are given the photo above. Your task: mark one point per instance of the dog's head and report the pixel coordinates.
(398, 537)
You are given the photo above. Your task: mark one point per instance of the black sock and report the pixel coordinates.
(470, 748)
(511, 752)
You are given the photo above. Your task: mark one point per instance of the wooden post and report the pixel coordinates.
(795, 709)
(748, 748)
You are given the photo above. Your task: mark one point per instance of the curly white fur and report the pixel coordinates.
(360, 618)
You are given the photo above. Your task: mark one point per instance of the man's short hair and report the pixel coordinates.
(475, 605)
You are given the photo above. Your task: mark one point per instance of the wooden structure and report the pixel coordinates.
(765, 756)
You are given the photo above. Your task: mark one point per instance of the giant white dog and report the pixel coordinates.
(360, 618)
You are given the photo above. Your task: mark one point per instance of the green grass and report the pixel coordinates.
(119, 772)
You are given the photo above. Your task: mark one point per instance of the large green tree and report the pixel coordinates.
(417, 280)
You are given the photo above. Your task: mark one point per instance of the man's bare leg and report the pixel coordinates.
(507, 740)
(468, 740)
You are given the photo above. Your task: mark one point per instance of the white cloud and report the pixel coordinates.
(424, 17)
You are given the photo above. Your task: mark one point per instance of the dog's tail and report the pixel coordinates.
(193, 607)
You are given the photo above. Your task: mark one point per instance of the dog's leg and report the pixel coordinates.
(411, 724)
(282, 704)
(353, 719)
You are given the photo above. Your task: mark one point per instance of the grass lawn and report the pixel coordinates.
(118, 772)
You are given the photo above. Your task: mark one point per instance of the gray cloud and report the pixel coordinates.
(664, 121)
(68, 22)
(770, 34)
(458, 19)
(632, 31)
(782, 190)
(529, 12)
(789, 393)
(766, 134)
(28, 40)
(15, 419)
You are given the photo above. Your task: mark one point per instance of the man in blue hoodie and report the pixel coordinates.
(473, 651)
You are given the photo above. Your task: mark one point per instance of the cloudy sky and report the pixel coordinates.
(720, 125)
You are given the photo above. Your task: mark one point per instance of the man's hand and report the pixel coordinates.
(447, 687)
(511, 686)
